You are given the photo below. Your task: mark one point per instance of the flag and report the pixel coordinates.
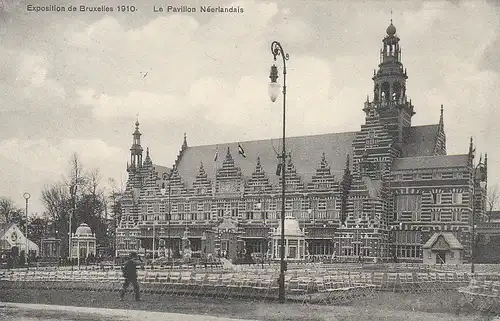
(241, 151)
(216, 155)
(278, 169)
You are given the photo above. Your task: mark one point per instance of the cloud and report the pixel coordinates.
(52, 156)
(34, 72)
(29, 165)
(89, 76)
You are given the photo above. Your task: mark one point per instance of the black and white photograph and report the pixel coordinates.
(249, 160)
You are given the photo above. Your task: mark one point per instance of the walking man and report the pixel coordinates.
(129, 270)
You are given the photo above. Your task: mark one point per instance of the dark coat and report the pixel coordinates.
(129, 270)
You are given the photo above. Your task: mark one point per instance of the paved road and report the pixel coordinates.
(41, 312)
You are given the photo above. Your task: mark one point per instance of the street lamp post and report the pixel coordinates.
(482, 184)
(163, 191)
(154, 221)
(274, 87)
(169, 247)
(26, 250)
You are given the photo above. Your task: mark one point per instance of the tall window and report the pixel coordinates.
(220, 209)
(408, 207)
(456, 216)
(234, 209)
(456, 198)
(435, 216)
(358, 208)
(436, 198)
(371, 139)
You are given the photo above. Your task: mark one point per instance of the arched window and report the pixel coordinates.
(396, 90)
(375, 93)
(385, 91)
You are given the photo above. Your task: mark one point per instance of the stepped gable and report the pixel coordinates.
(202, 185)
(293, 180)
(323, 179)
(177, 186)
(229, 169)
(419, 141)
(335, 146)
(229, 178)
(259, 181)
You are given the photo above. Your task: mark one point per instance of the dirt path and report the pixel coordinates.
(386, 306)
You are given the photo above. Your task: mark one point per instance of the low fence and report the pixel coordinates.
(483, 293)
(305, 284)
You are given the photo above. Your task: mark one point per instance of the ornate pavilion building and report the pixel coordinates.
(380, 193)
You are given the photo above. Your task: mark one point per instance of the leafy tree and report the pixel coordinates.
(37, 228)
(7, 210)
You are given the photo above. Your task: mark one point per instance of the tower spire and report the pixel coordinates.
(441, 121)
(136, 149)
(184, 143)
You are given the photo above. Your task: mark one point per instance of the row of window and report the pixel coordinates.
(268, 205)
(250, 215)
(407, 237)
(436, 216)
(413, 202)
(301, 215)
(429, 176)
(356, 250)
(409, 251)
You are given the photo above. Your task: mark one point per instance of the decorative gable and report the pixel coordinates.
(323, 179)
(229, 178)
(293, 181)
(259, 181)
(441, 244)
(176, 185)
(202, 185)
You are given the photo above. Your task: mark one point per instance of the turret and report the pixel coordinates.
(136, 149)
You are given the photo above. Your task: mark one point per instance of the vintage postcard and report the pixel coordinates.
(249, 160)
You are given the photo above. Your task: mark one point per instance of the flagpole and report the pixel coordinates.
(215, 168)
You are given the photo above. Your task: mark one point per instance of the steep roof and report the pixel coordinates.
(4, 227)
(419, 140)
(161, 170)
(448, 237)
(306, 152)
(438, 161)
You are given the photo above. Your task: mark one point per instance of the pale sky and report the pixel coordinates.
(74, 81)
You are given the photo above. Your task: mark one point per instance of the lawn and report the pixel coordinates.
(383, 306)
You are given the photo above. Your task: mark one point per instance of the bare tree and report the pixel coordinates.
(96, 193)
(55, 198)
(114, 196)
(492, 201)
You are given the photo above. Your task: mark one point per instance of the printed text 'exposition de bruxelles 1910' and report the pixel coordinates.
(131, 8)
